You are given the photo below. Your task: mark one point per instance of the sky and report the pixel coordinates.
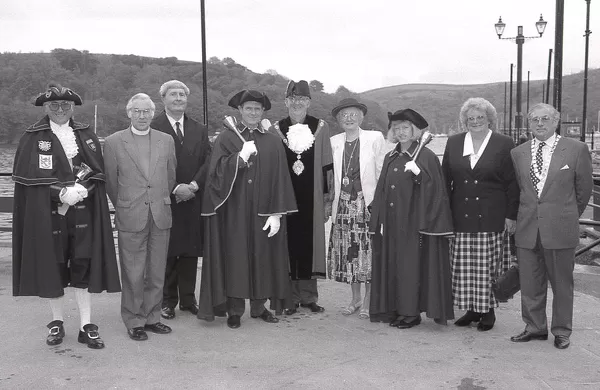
(361, 45)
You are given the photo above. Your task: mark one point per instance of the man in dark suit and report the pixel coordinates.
(185, 245)
(555, 179)
(140, 170)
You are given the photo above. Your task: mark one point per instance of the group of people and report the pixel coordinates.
(420, 235)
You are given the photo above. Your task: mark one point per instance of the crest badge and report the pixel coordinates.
(44, 146)
(45, 161)
(90, 143)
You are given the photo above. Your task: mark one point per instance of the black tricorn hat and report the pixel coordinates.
(57, 92)
(410, 115)
(349, 102)
(299, 89)
(250, 95)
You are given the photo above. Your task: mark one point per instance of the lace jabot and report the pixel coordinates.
(66, 136)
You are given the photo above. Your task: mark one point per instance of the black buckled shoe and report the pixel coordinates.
(91, 337)
(404, 324)
(56, 333)
(267, 316)
(158, 328)
(234, 322)
(137, 333)
(168, 313)
(313, 307)
(526, 336)
(470, 316)
(562, 342)
(487, 321)
(193, 308)
(292, 311)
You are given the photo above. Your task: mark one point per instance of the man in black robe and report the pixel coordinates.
(62, 235)
(310, 161)
(248, 192)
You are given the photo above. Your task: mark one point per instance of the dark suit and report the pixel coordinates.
(185, 244)
(548, 232)
(139, 186)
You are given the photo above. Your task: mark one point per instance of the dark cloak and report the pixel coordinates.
(36, 243)
(239, 260)
(411, 266)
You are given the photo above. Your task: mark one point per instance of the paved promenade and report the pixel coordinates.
(304, 351)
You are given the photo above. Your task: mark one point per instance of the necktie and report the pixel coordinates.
(539, 162)
(178, 132)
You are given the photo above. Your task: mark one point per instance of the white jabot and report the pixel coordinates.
(139, 132)
(66, 136)
(469, 150)
(172, 121)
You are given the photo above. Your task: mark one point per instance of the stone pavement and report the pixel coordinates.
(304, 351)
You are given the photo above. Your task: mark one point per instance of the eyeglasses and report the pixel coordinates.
(138, 112)
(476, 119)
(299, 99)
(66, 106)
(543, 119)
(349, 115)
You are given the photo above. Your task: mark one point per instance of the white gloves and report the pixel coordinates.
(274, 223)
(413, 167)
(248, 149)
(73, 195)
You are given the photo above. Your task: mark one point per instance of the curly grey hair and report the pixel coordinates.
(479, 104)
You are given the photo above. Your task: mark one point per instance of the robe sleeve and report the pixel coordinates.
(433, 205)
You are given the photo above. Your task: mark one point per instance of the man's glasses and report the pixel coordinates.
(66, 106)
(543, 119)
(476, 119)
(138, 112)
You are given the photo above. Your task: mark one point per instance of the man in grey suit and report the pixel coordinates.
(555, 179)
(140, 170)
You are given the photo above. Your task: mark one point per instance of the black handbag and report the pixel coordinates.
(507, 284)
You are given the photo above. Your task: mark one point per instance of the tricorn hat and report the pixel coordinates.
(57, 92)
(410, 115)
(250, 95)
(349, 102)
(298, 89)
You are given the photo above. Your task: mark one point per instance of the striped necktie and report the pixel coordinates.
(178, 132)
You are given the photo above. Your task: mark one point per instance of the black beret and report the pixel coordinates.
(346, 103)
(299, 89)
(250, 95)
(57, 92)
(410, 115)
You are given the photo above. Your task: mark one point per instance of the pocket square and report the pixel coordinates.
(565, 167)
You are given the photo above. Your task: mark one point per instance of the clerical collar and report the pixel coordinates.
(138, 132)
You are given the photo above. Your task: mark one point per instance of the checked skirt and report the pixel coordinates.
(477, 258)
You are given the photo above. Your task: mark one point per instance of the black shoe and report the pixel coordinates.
(137, 334)
(397, 321)
(313, 307)
(526, 336)
(487, 321)
(267, 316)
(562, 342)
(158, 327)
(168, 313)
(407, 325)
(470, 316)
(234, 322)
(292, 311)
(193, 308)
(91, 337)
(56, 333)
(440, 321)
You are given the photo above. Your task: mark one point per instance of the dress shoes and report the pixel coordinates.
(158, 327)
(91, 337)
(397, 321)
(193, 308)
(313, 307)
(137, 333)
(526, 336)
(292, 311)
(233, 322)
(404, 324)
(470, 316)
(562, 342)
(487, 321)
(267, 316)
(168, 313)
(56, 332)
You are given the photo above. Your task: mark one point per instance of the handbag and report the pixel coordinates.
(507, 284)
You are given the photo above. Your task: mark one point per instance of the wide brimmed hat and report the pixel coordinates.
(250, 95)
(349, 102)
(57, 92)
(410, 115)
(297, 89)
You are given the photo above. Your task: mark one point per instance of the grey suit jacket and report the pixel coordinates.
(130, 190)
(563, 199)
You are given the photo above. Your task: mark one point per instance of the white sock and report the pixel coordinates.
(84, 302)
(56, 305)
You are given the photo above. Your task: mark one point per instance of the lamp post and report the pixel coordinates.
(540, 25)
(585, 73)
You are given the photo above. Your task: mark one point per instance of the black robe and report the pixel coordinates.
(40, 162)
(239, 260)
(411, 266)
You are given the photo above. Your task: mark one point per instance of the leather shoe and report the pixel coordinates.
(397, 321)
(56, 333)
(193, 308)
(526, 336)
(470, 316)
(91, 337)
(233, 322)
(562, 342)
(137, 334)
(313, 307)
(487, 321)
(158, 327)
(407, 325)
(168, 313)
(267, 316)
(292, 311)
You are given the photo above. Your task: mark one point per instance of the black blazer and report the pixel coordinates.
(192, 164)
(483, 197)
